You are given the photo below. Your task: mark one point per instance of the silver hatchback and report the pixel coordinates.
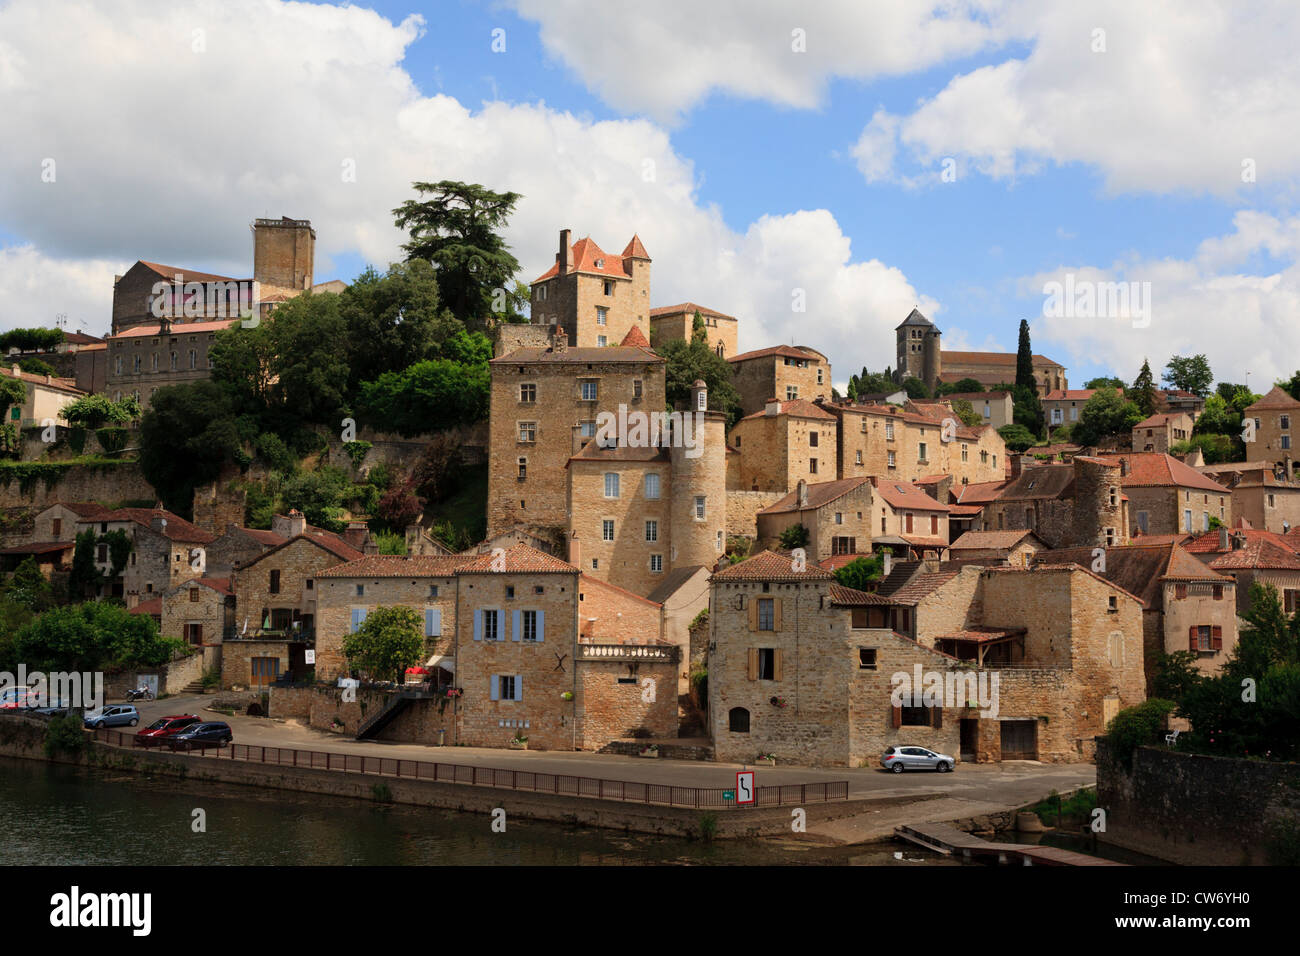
(898, 759)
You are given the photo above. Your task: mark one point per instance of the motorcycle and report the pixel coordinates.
(140, 693)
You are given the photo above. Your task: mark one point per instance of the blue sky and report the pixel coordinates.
(1120, 164)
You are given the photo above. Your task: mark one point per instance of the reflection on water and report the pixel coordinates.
(58, 815)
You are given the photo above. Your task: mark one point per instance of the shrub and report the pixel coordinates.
(64, 735)
(1138, 726)
(795, 536)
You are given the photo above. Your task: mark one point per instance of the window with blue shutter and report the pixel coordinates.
(516, 625)
(541, 626)
(495, 691)
(478, 625)
(358, 616)
(519, 687)
(433, 622)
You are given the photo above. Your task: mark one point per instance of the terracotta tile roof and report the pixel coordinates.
(588, 581)
(1039, 482)
(900, 573)
(981, 635)
(991, 358)
(1072, 394)
(83, 508)
(821, 493)
(690, 307)
(798, 408)
(397, 566)
(837, 561)
(177, 529)
(635, 338)
(39, 547)
(1160, 419)
(177, 328)
(784, 351)
(68, 385)
(1262, 549)
(1153, 469)
(989, 539)
(977, 492)
(608, 354)
(221, 585)
(771, 566)
(153, 607)
(850, 597)
(918, 541)
(673, 580)
(974, 396)
(595, 452)
(1137, 569)
(187, 275)
(586, 255)
(519, 559)
(921, 586)
(634, 249)
(1044, 568)
(1277, 398)
(905, 495)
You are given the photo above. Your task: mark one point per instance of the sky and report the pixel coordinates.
(815, 169)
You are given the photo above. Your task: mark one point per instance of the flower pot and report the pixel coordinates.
(649, 753)
(516, 745)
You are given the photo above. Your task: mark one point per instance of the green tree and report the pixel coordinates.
(915, 388)
(29, 588)
(699, 331)
(1105, 381)
(393, 320)
(1108, 414)
(1017, 437)
(969, 417)
(794, 536)
(97, 410)
(34, 366)
(688, 362)
(186, 436)
(1025, 359)
(1143, 393)
(31, 340)
(961, 386)
(427, 396)
(13, 393)
(389, 640)
(458, 229)
(1215, 449)
(860, 573)
(1189, 373)
(93, 636)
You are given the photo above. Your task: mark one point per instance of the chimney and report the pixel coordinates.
(773, 406)
(575, 551)
(158, 523)
(931, 564)
(565, 256)
(699, 396)
(290, 525)
(356, 534)
(413, 543)
(1238, 541)
(1017, 462)
(560, 342)
(802, 491)
(888, 565)
(1223, 538)
(17, 371)
(1123, 467)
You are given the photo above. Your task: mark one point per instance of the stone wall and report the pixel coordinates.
(743, 508)
(615, 702)
(108, 483)
(1194, 809)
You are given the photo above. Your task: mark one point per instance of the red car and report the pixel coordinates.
(164, 727)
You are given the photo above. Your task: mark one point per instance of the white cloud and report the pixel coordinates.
(1182, 96)
(167, 154)
(662, 58)
(1244, 322)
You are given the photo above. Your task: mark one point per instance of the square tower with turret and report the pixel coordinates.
(919, 350)
(596, 297)
(284, 252)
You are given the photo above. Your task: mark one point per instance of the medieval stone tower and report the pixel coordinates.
(698, 526)
(919, 350)
(284, 252)
(1099, 517)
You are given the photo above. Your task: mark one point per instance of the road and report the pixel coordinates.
(983, 788)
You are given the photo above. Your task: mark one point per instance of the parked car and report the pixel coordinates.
(899, 759)
(18, 698)
(164, 727)
(116, 715)
(207, 734)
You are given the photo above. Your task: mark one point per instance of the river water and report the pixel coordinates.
(56, 815)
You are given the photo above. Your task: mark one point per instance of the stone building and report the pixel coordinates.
(1187, 606)
(837, 514)
(1159, 433)
(165, 550)
(795, 670)
(201, 612)
(1064, 406)
(1252, 556)
(1273, 416)
(544, 408)
(920, 354)
(995, 408)
(1079, 504)
(671, 322)
(1167, 496)
(908, 445)
(783, 372)
(785, 443)
(46, 398)
(595, 297)
(906, 520)
(1012, 547)
(1265, 500)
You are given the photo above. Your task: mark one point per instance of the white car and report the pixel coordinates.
(898, 759)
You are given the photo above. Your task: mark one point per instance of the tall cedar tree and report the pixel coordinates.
(1144, 390)
(458, 229)
(1025, 358)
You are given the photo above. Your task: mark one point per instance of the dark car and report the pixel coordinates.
(163, 728)
(207, 734)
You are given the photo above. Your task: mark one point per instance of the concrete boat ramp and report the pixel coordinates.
(942, 838)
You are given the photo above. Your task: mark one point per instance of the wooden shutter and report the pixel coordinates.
(516, 625)
(753, 663)
(895, 717)
(1192, 643)
(934, 524)
(495, 692)
(777, 660)
(753, 615)
(1216, 637)
(478, 625)
(541, 626)
(938, 717)
(909, 522)
(776, 614)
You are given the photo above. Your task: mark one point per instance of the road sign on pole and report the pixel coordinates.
(745, 786)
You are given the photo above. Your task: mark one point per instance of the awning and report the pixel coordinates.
(445, 661)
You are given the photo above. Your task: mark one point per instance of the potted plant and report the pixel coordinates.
(337, 725)
(769, 759)
(520, 742)
(651, 751)
(779, 702)
(567, 695)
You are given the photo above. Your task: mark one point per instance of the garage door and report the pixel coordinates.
(1019, 740)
